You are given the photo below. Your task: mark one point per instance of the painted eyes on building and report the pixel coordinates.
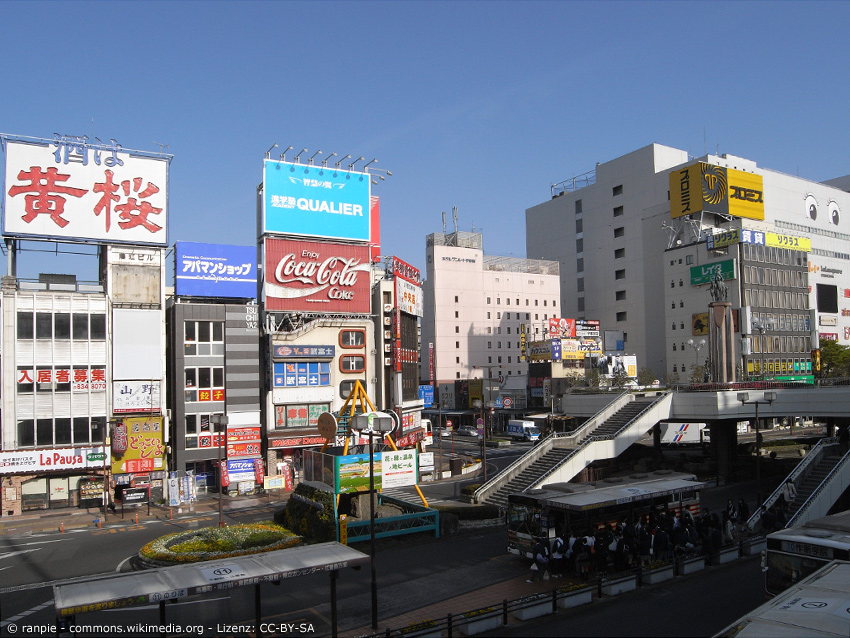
(811, 206)
(834, 211)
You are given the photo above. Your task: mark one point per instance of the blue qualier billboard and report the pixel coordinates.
(215, 270)
(315, 201)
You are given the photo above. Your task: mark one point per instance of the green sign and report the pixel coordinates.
(705, 273)
(96, 456)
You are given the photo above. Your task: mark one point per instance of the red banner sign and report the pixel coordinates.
(119, 438)
(309, 276)
(225, 476)
(297, 441)
(259, 472)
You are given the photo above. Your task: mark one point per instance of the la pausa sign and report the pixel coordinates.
(311, 276)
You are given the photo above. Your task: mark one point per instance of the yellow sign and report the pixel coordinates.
(699, 323)
(703, 187)
(137, 445)
(788, 241)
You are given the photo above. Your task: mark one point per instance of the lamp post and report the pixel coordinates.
(372, 424)
(697, 346)
(762, 327)
(484, 421)
(768, 398)
(219, 422)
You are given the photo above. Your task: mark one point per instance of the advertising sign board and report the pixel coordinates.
(398, 468)
(704, 273)
(241, 471)
(561, 328)
(21, 461)
(702, 187)
(145, 448)
(408, 297)
(315, 201)
(215, 270)
(310, 276)
(352, 473)
(136, 396)
(76, 190)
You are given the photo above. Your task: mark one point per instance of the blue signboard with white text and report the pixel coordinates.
(426, 395)
(215, 270)
(315, 201)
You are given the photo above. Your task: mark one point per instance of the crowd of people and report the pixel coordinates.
(654, 537)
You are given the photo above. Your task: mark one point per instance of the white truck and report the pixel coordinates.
(523, 430)
(681, 433)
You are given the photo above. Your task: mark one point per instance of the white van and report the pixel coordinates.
(523, 430)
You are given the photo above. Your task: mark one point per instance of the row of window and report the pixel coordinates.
(760, 298)
(774, 277)
(772, 255)
(61, 431)
(78, 326)
(203, 338)
(508, 302)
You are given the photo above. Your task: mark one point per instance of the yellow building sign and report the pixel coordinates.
(703, 187)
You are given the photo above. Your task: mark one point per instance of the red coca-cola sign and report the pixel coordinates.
(311, 276)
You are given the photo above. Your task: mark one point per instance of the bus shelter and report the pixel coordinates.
(584, 506)
(180, 581)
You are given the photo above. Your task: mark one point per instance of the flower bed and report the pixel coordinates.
(217, 542)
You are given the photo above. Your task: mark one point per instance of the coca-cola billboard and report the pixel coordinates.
(311, 276)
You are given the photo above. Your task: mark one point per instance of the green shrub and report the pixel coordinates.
(313, 521)
(469, 490)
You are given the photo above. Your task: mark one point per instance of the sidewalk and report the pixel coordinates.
(80, 518)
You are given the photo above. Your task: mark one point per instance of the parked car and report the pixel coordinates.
(467, 430)
(442, 430)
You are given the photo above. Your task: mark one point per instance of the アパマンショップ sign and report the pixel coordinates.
(310, 276)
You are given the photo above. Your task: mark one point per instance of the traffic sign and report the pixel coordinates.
(448, 423)
(480, 421)
(508, 402)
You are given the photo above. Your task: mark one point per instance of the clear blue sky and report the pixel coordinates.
(479, 105)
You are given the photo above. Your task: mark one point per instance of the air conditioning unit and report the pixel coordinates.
(388, 361)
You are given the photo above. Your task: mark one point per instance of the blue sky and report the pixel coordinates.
(479, 105)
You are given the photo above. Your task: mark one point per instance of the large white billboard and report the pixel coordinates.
(72, 189)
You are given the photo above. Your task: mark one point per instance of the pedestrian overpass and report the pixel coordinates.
(615, 422)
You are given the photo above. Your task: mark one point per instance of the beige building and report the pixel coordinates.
(481, 310)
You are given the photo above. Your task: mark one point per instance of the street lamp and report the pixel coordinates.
(372, 424)
(768, 398)
(219, 422)
(762, 327)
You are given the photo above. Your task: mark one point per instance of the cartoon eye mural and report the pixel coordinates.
(834, 211)
(811, 206)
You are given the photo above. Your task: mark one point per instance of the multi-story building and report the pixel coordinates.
(620, 247)
(480, 311)
(83, 368)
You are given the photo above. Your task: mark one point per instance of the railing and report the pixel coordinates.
(415, 519)
(813, 456)
(540, 449)
(810, 501)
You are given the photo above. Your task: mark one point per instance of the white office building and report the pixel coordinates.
(480, 309)
(781, 242)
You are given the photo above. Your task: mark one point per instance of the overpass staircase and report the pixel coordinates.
(561, 456)
(820, 479)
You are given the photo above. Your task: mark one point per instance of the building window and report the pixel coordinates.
(619, 253)
(620, 295)
(204, 383)
(579, 245)
(674, 347)
(488, 299)
(43, 325)
(62, 329)
(457, 345)
(457, 359)
(618, 211)
(352, 363)
(457, 329)
(580, 264)
(689, 259)
(579, 226)
(301, 374)
(619, 231)
(347, 387)
(25, 325)
(489, 344)
(580, 284)
(203, 338)
(302, 415)
(619, 274)
(621, 316)
(580, 304)
(457, 315)
(681, 283)
(578, 206)
(352, 338)
(617, 190)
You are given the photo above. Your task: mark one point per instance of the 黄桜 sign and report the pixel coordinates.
(315, 201)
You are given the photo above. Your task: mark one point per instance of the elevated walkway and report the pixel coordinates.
(560, 457)
(820, 479)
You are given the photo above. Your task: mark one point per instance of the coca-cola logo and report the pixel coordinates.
(306, 274)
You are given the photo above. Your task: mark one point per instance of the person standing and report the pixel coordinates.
(789, 491)
(541, 560)
(558, 552)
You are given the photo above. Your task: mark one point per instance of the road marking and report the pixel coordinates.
(26, 613)
(20, 551)
(50, 583)
(121, 564)
(58, 540)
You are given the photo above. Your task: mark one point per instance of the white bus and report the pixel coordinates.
(793, 554)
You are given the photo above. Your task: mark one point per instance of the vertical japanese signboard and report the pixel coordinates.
(145, 447)
(75, 189)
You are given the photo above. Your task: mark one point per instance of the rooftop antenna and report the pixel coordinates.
(161, 146)
(444, 222)
(454, 217)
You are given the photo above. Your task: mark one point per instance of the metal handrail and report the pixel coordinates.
(541, 448)
(812, 457)
(805, 506)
